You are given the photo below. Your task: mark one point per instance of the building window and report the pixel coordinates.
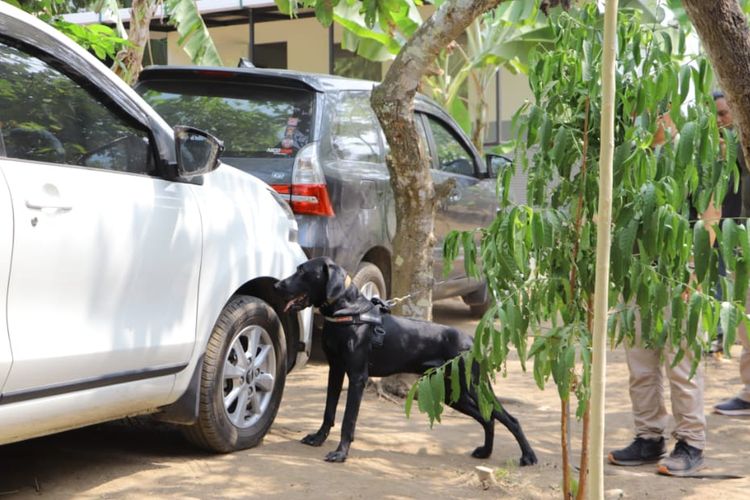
(270, 55)
(155, 52)
(349, 64)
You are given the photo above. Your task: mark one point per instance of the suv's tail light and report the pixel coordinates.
(309, 192)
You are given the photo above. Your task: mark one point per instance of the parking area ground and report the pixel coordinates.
(392, 457)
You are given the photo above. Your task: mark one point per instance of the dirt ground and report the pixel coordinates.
(392, 458)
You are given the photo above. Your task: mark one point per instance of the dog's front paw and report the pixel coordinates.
(482, 452)
(336, 456)
(315, 439)
(528, 458)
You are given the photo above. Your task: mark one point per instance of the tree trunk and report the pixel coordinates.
(564, 432)
(129, 61)
(415, 196)
(603, 243)
(723, 30)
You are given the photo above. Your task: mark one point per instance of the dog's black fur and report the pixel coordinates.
(409, 346)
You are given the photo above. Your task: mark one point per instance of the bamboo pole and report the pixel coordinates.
(603, 242)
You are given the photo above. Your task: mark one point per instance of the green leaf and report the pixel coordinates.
(470, 255)
(460, 113)
(684, 82)
(410, 398)
(537, 231)
(437, 386)
(451, 246)
(286, 6)
(324, 12)
(741, 275)
(729, 239)
(694, 312)
(425, 399)
(455, 379)
(626, 237)
(729, 320)
(701, 250)
(686, 146)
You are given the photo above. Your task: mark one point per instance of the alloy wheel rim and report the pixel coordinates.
(248, 376)
(370, 289)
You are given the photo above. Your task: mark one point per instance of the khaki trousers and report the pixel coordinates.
(646, 382)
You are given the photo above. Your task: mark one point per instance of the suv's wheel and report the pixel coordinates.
(370, 281)
(242, 379)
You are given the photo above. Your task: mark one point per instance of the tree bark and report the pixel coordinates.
(415, 196)
(129, 61)
(723, 30)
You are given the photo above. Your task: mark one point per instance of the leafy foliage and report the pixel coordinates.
(102, 40)
(500, 38)
(539, 259)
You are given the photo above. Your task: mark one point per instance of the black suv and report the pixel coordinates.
(316, 140)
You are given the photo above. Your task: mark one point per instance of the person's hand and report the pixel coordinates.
(663, 123)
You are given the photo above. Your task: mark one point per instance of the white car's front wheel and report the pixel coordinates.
(243, 377)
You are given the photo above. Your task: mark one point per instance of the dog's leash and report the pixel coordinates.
(393, 302)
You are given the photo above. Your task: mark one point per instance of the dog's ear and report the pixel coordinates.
(337, 281)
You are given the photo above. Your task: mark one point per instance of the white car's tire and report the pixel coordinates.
(242, 379)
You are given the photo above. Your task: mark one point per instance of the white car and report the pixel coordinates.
(133, 277)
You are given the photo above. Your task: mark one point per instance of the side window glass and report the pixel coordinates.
(355, 129)
(453, 157)
(46, 116)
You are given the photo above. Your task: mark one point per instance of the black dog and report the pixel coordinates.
(359, 342)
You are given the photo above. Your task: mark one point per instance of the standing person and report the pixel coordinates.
(732, 204)
(740, 404)
(646, 387)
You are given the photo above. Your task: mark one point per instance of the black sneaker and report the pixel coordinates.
(734, 407)
(641, 451)
(685, 460)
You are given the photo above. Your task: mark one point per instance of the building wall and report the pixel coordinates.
(307, 43)
(514, 91)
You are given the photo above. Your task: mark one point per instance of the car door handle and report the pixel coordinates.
(48, 204)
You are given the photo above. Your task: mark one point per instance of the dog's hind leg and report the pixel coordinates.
(528, 457)
(335, 382)
(467, 406)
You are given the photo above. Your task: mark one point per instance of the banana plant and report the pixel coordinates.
(501, 38)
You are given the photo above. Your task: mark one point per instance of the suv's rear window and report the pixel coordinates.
(253, 121)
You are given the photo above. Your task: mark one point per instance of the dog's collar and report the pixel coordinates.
(367, 317)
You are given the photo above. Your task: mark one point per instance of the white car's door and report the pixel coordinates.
(6, 245)
(106, 255)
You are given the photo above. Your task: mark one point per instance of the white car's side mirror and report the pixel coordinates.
(197, 151)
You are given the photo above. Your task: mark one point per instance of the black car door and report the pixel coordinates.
(471, 203)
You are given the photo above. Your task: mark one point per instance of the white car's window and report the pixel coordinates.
(46, 116)
(453, 157)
